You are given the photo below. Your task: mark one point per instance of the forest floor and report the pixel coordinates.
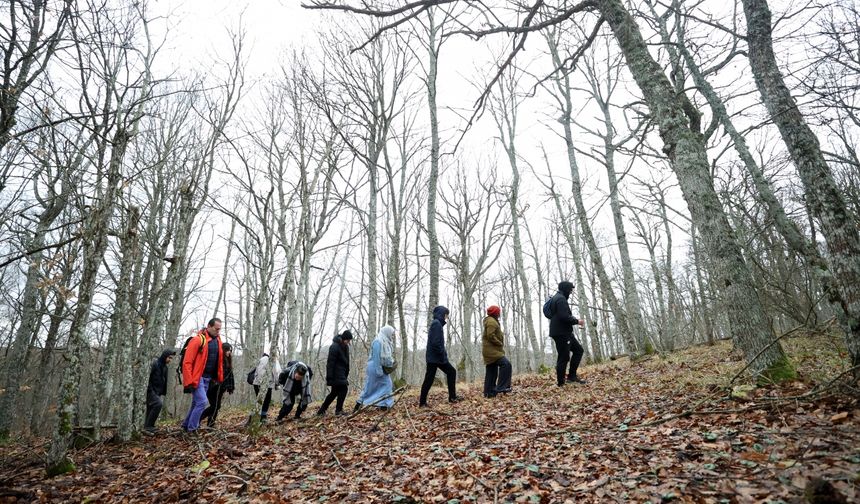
(665, 428)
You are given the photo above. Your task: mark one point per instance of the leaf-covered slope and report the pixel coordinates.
(662, 429)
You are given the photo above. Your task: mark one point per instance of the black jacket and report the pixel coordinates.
(158, 373)
(229, 384)
(337, 365)
(562, 321)
(436, 353)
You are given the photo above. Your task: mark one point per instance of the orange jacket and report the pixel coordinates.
(192, 369)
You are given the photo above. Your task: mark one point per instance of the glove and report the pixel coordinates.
(189, 390)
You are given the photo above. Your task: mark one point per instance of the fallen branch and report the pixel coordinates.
(374, 403)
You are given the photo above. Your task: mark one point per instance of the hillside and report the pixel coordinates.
(662, 429)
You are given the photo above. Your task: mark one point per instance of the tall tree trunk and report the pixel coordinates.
(823, 198)
(95, 237)
(31, 317)
(432, 182)
(127, 328)
(678, 124)
(566, 103)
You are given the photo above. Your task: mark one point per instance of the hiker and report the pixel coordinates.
(497, 378)
(437, 358)
(337, 373)
(156, 388)
(561, 331)
(202, 365)
(259, 372)
(215, 394)
(378, 385)
(297, 385)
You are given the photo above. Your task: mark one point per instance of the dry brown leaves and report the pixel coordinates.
(539, 444)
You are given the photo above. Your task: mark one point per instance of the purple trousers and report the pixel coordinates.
(199, 402)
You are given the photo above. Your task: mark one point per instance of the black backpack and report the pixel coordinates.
(182, 354)
(252, 374)
(547, 308)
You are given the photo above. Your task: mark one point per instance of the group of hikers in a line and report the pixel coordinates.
(206, 368)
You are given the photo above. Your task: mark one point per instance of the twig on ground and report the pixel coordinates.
(336, 459)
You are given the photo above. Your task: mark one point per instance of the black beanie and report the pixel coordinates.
(346, 335)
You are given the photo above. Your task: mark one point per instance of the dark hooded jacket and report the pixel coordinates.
(562, 322)
(158, 373)
(337, 365)
(436, 353)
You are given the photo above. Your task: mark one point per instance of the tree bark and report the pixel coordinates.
(685, 146)
(823, 198)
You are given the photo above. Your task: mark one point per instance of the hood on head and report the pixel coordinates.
(565, 287)
(166, 353)
(387, 332)
(344, 336)
(439, 313)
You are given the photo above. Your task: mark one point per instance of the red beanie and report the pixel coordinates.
(494, 311)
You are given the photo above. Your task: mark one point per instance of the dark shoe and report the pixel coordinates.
(489, 396)
(423, 405)
(340, 413)
(576, 380)
(384, 408)
(357, 407)
(320, 413)
(504, 391)
(455, 399)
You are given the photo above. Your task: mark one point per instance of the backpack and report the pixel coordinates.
(547, 308)
(182, 354)
(252, 374)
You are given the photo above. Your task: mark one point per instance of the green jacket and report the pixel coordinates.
(493, 341)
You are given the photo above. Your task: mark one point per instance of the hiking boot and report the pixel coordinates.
(455, 399)
(341, 413)
(576, 379)
(320, 413)
(504, 391)
(423, 405)
(357, 407)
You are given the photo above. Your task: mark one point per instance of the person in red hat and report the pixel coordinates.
(497, 379)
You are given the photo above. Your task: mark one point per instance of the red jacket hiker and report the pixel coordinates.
(192, 369)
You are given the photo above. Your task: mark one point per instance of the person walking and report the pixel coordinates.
(337, 373)
(156, 388)
(215, 394)
(561, 331)
(259, 373)
(497, 377)
(297, 389)
(202, 365)
(378, 385)
(437, 358)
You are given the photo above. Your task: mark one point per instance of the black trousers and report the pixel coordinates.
(430, 375)
(215, 394)
(296, 398)
(266, 400)
(569, 350)
(497, 377)
(154, 403)
(338, 392)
